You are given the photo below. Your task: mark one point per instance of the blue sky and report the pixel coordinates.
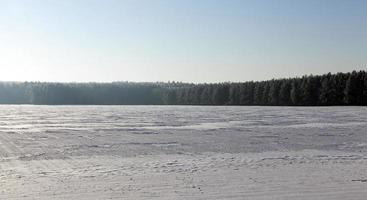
(190, 40)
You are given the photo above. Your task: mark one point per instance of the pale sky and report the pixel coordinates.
(179, 40)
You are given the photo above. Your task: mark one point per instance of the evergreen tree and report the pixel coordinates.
(234, 94)
(258, 93)
(310, 91)
(265, 96)
(365, 89)
(296, 92)
(246, 93)
(274, 90)
(220, 94)
(340, 85)
(327, 91)
(285, 93)
(351, 89)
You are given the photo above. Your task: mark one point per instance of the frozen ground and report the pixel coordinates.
(173, 152)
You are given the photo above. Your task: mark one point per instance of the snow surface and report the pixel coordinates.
(183, 152)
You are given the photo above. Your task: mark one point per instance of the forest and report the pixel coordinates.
(309, 90)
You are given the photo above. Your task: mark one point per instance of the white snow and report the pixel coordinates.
(177, 152)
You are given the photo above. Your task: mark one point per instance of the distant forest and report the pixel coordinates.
(321, 90)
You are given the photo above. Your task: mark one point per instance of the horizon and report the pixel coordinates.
(173, 81)
(192, 41)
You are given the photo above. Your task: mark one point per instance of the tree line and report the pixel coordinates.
(321, 90)
(118, 93)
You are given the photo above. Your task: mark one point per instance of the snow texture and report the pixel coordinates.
(183, 152)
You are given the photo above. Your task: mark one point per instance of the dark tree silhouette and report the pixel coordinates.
(324, 90)
(285, 92)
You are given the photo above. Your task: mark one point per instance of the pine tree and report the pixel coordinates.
(295, 92)
(234, 94)
(285, 93)
(265, 97)
(274, 90)
(220, 94)
(328, 90)
(351, 89)
(365, 89)
(258, 93)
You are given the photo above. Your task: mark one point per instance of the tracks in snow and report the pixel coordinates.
(272, 175)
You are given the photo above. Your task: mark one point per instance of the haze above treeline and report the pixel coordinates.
(311, 90)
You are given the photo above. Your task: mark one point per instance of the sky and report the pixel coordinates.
(179, 40)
